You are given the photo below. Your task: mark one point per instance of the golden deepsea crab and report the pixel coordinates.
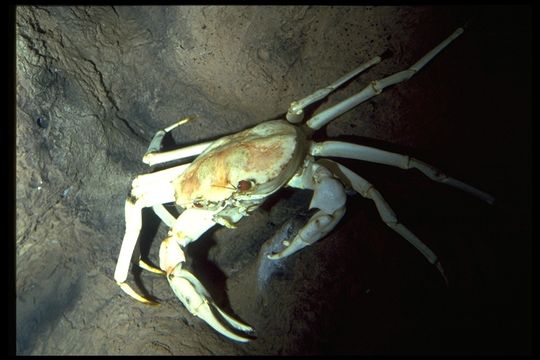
(232, 176)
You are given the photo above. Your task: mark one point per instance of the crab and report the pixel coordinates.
(232, 176)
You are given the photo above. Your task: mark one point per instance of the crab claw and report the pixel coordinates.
(317, 227)
(290, 248)
(197, 300)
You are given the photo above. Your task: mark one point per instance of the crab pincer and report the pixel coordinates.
(189, 290)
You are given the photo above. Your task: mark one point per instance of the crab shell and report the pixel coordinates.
(241, 170)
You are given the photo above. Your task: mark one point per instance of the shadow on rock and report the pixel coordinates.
(40, 309)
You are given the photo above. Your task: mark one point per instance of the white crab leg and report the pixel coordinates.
(155, 179)
(178, 154)
(364, 188)
(367, 153)
(189, 227)
(160, 176)
(328, 196)
(198, 305)
(233, 322)
(152, 182)
(164, 215)
(202, 290)
(377, 86)
(296, 110)
(192, 224)
(155, 144)
(145, 196)
(153, 156)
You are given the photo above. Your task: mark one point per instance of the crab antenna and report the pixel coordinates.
(377, 86)
(296, 110)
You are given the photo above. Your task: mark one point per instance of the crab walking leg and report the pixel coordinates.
(190, 225)
(156, 179)
(328, 196)
(141, 197)
(296, 110)
(164, 215)
(144, 265)
(367, 153)
(377, 86)
(153, 156)
(364, 188)
(160, 176)
(155, 144)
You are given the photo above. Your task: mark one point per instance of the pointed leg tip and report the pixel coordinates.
(441, 271)
(290, 248)
(233, 322)
(245, 336)
(144, 265)
(276, 256)
(128, 290)
(243, 340)
(178, 123)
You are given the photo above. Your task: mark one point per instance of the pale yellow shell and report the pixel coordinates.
(266, 155)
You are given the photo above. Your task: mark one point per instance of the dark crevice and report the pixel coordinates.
(113, 103)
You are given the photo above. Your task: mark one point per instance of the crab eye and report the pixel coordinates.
(197, 204)
(244, 185)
